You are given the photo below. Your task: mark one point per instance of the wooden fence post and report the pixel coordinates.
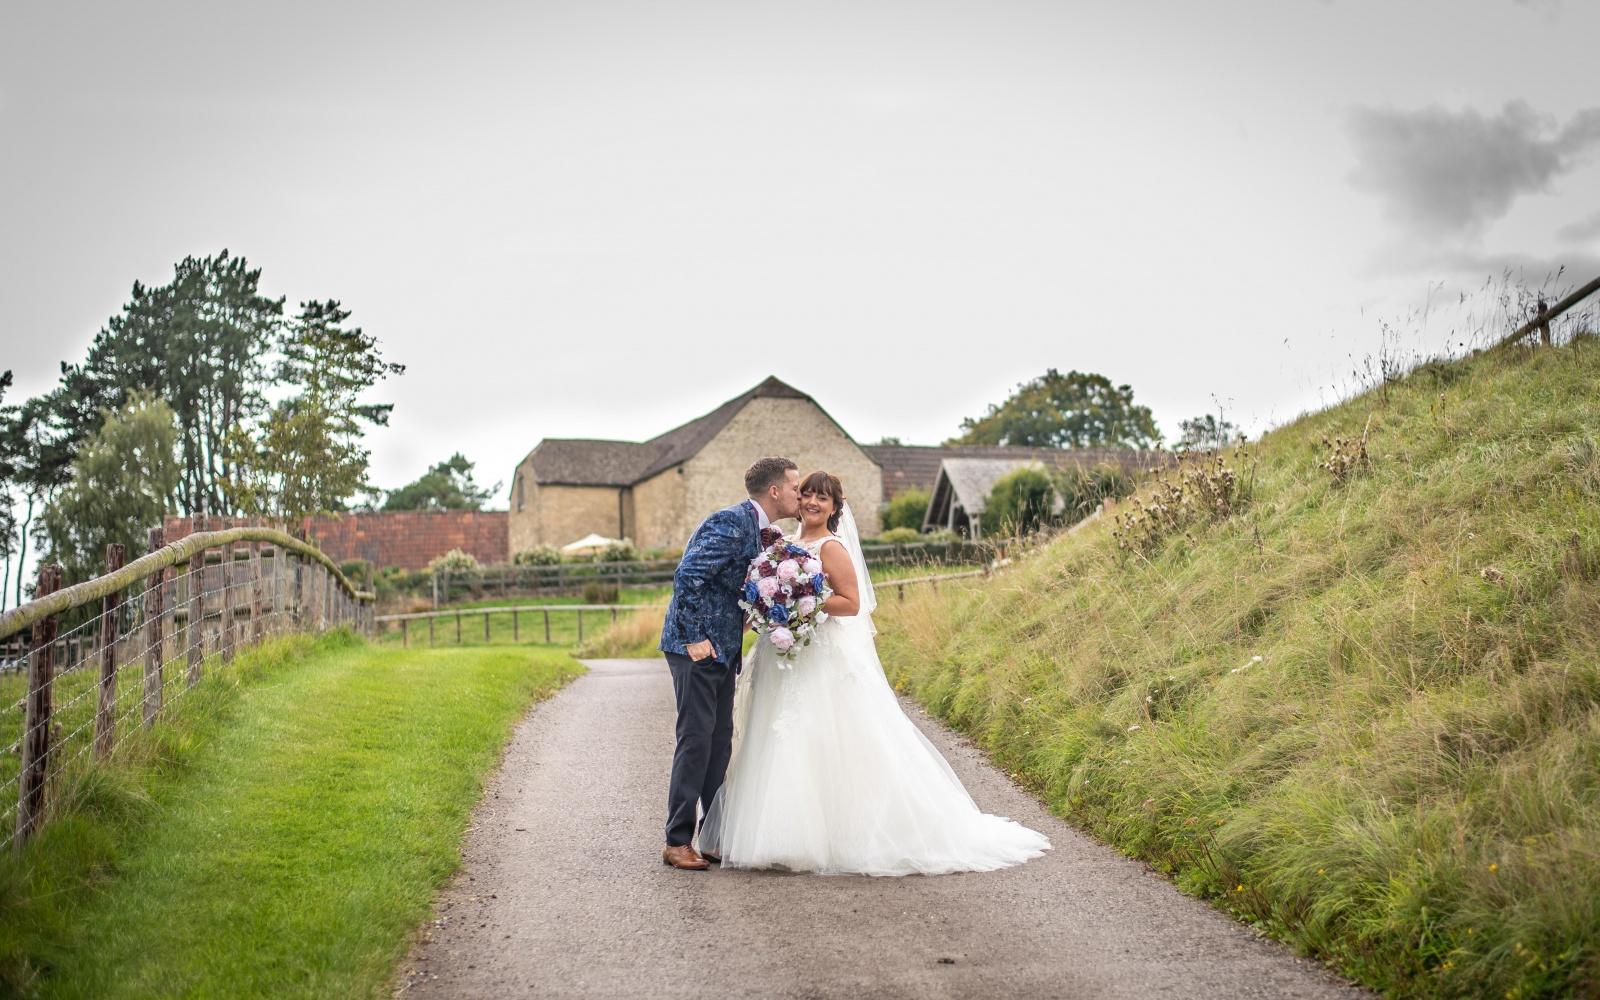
(405, 632)
(36, 715)
(430, 631)
(514, 632)
(226, 637)
(152, 636)
(547, 628)
(105, 713)
(458, 628)
(257, 586)
(486, 626)
(194, 626)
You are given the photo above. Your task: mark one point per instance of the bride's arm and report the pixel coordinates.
(846, 599)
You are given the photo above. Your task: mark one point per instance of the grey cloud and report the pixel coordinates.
(1581, 231)
(1449, 173)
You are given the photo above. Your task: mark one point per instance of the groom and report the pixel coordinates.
(703, 639)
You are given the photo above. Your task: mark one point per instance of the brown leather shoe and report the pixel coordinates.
(683, 856)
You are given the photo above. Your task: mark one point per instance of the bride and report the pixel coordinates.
(828, 774)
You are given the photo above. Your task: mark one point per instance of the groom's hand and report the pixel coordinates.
(702, 650)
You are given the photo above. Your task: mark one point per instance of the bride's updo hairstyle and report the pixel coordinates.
(827, 485)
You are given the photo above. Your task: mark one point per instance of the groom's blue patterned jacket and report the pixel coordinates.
(705, 588)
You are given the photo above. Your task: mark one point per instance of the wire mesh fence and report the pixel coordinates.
(83, 670)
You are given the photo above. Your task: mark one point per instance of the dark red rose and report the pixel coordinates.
(768, 569)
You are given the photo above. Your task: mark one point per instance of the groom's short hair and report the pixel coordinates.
(760, 476)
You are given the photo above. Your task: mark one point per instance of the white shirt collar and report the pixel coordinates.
(762, 520)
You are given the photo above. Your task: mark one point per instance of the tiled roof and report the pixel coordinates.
(581, 462)
(917, 466)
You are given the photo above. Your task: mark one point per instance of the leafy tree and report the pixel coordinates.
(37, 463)
(8, 475)
(1019, 503)
(890, 441)
(1075, 410)
(123, 480)
(908, 509)
(448, 485)
(200, 343)
(308, 456)
(1206, 432)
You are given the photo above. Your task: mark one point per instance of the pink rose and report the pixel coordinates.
(806, 606)
(768, 586)
(813, 567)
(782, 638)
(788, 569)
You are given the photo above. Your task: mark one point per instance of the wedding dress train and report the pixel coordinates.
(829, 775)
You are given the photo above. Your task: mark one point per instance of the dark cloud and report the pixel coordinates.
(1581, 231)
(1449, 173)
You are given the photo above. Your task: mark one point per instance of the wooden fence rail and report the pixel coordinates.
(208, 594)
(1545, 314)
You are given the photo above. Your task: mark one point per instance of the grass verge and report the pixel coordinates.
(283, 834)
(1364, 716)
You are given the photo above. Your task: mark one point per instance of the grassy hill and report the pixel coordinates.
(1364, 715)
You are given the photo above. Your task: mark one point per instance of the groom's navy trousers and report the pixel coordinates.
(704, 693)
(705, 606)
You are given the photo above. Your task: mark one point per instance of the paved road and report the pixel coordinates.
(563, 894)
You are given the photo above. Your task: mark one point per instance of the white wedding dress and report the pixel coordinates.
(828, 775)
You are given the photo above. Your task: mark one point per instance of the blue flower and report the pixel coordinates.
(779, 614)
(799, 551)
(818, 582)
(751, 594)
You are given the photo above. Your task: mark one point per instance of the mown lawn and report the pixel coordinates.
(1364, 716)
(283, 835)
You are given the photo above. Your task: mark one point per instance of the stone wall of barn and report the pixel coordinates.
(794, 428)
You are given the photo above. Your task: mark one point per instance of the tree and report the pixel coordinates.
(307, 456)
(890, 441)
(123, 480)
(199, 342)
(1019, 503)
(908, 509)
(1075, 410)
(448, 485)
(1206, 432)
(37, 464)
(8, 475)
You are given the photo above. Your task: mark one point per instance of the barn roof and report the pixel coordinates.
(588, 462)
(917, 466)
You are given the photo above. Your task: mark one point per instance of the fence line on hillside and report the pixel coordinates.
(1545, 314)
(190, 604)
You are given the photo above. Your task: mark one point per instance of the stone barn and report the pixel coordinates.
(656, 492)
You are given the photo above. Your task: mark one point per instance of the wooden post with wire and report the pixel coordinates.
(257, 586)
(105, 711)
(194, 625)
(152, 635)
(228, 636)
(36, 715)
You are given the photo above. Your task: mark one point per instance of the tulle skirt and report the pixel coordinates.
(829, 775)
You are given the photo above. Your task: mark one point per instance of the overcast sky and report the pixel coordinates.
(602, 219)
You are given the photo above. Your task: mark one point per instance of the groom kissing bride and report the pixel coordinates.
(829, 775)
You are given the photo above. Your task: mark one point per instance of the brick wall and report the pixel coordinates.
(404, 538)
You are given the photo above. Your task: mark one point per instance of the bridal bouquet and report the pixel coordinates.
(783, 594)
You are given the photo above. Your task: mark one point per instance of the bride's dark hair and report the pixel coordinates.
(827, 485)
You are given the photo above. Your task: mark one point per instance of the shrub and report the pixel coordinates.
(623, 551)
(357, 570)
(899, 536)
(539, 555)
(1082, 490)
(455, 561)
(598, 592)
(1019, 502)
(908, 509)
